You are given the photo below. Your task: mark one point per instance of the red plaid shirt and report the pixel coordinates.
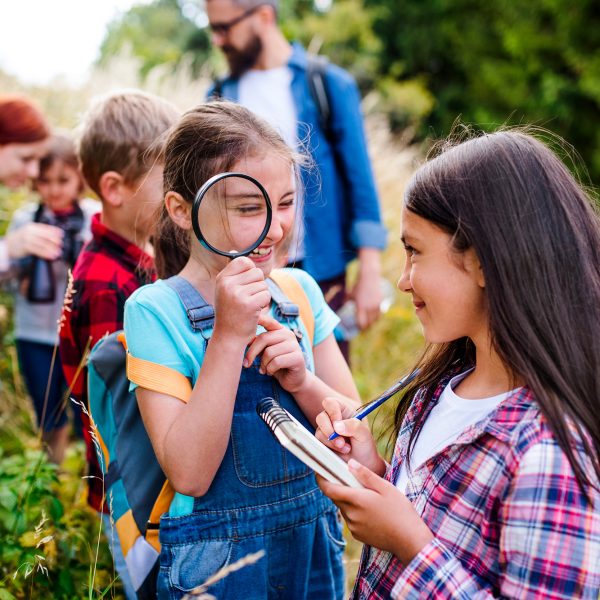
(508, 516)
(107, 272)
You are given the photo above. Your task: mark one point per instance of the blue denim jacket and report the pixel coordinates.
(341, 211)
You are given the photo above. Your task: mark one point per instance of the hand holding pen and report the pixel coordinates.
(361, 413)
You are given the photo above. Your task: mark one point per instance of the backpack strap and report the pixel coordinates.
(158, 378)
(155, 377)
(315, 74)
(217, 91)
(161, 506)
(293, 291)
(171, 380)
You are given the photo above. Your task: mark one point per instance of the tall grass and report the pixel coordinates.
(379, 356)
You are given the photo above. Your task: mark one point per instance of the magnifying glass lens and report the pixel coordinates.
(233, 215)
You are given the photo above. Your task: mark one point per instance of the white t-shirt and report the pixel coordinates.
(446, 421)
(268, 93)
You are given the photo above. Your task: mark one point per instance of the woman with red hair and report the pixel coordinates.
(24, 138)
(24, 133)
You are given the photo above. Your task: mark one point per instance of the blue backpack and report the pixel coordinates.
(137, 491)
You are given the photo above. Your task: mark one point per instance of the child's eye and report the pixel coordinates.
(250, 209)
(287, 203)
(410, 251)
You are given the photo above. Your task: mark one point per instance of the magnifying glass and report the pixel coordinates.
(231, 214)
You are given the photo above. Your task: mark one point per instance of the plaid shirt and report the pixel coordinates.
(508, 516)
(107, 272)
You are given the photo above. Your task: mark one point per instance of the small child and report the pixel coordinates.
(120, 150)
(238, 490)
(62, 216)
(493, 490)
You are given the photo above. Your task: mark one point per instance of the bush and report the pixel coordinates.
(491, 63)
(50, 541)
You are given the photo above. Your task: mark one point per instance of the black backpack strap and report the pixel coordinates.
(315, 74)
(217, 92)
(199, 312)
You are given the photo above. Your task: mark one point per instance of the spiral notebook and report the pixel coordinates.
(293, 436)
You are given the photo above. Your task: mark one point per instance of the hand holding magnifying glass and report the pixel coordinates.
(231, 217)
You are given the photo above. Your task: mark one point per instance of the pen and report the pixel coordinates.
(369, 408)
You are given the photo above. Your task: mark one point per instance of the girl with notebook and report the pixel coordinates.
(493, 490)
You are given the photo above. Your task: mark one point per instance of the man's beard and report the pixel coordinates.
(241, 60)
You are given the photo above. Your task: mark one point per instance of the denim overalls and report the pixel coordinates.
(262, 498)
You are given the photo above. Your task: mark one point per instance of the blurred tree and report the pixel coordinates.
(156, 34)
(509, 61)
(346, 35)
(343, 33)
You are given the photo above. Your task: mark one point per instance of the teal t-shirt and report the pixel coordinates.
(158, 330)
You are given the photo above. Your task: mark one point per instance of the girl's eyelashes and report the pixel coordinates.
(410, 251)
(250, 209)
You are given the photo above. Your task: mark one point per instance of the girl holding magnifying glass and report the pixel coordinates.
(237, 491)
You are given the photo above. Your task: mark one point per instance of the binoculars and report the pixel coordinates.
(42, 282)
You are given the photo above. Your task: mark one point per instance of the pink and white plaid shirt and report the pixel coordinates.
(508, 516)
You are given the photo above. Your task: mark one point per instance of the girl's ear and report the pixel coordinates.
(480, 277)
(473, 266)
(179, 210)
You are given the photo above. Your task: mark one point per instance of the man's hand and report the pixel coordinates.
(367, 290)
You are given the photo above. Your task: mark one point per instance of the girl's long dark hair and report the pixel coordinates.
(537, 236)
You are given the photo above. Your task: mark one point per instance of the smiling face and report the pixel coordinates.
(233, 218)
(447, 287)
(59, 185)
(20, 163)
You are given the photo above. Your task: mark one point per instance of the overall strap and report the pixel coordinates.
(284, 307)
(199, 312)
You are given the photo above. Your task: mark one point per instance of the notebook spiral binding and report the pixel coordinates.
(271, 412)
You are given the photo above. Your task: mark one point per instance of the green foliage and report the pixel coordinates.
(491, 63)
(50, 543)
(344, 34)
(157, 33)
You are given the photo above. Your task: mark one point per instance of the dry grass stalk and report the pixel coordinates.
(199, 593)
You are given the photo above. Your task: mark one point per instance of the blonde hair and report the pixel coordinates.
(123, 132)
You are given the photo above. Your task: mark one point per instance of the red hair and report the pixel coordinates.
(21, 121)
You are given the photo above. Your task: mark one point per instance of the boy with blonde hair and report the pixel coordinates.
(120, 151)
